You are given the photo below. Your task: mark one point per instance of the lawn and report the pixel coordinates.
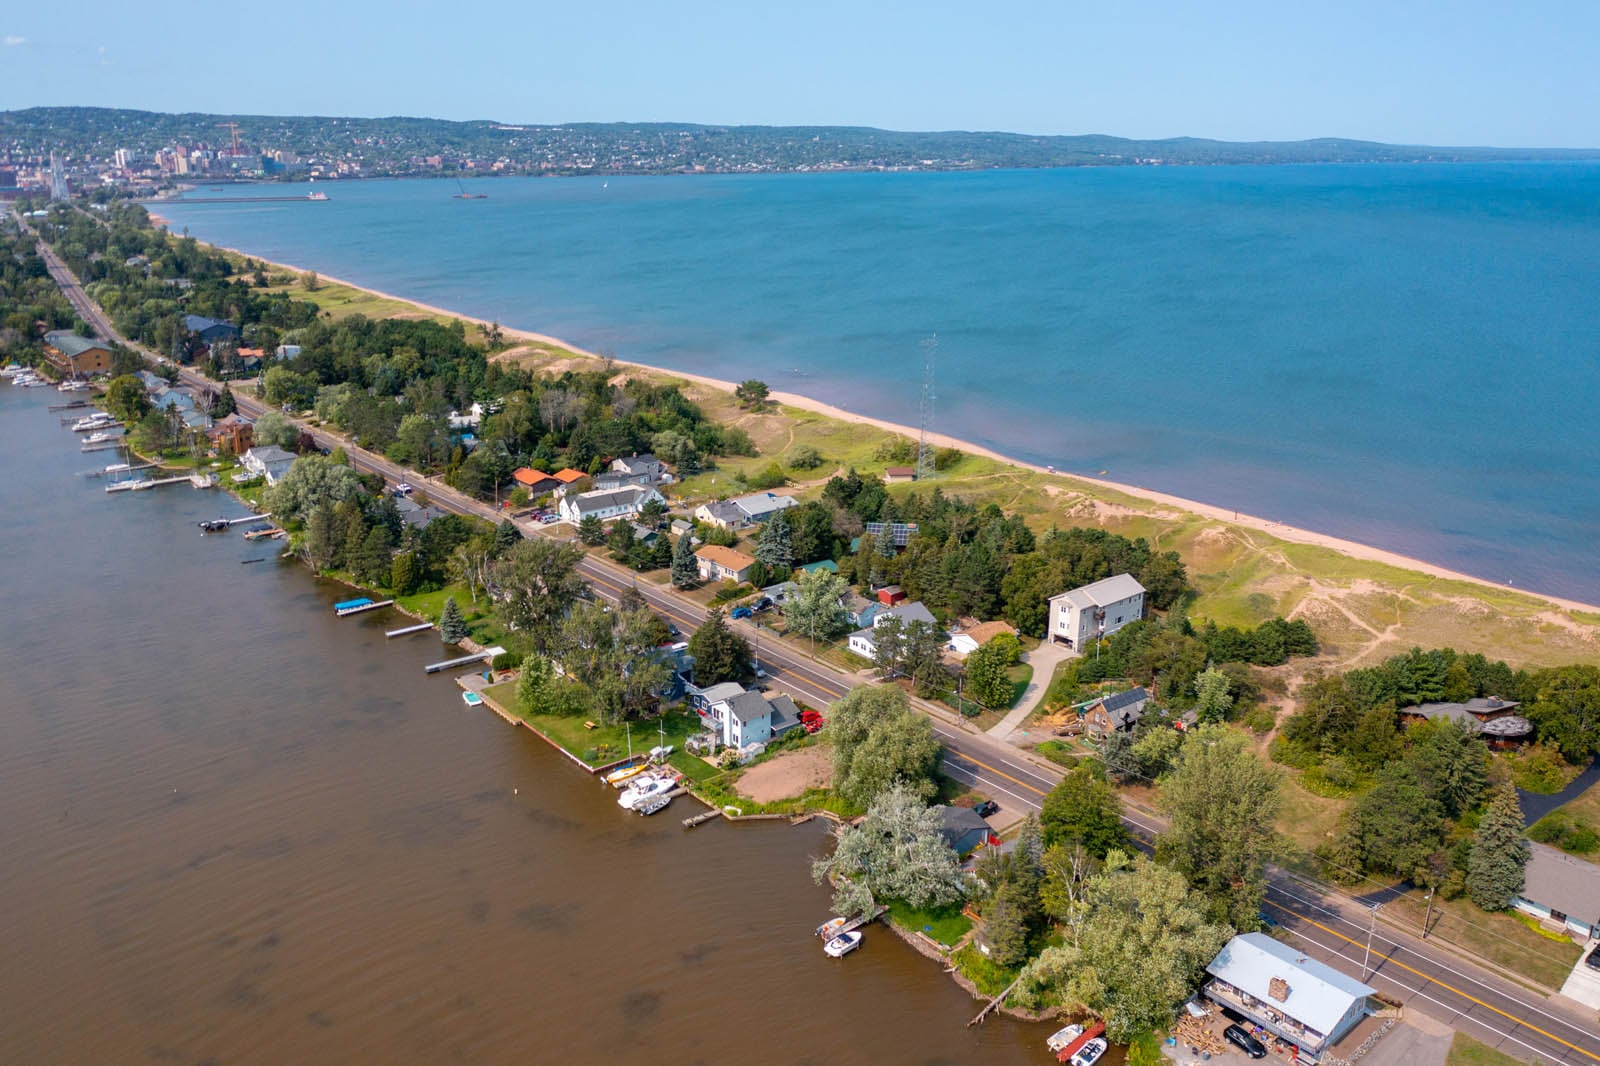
(990, 977)
(605, 743)
(1500, 938)
(693, 767)
(1465, 1051)
(945, 924)
(1307, 819)
(1573, 827)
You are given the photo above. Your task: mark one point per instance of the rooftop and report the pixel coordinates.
(748, 706)
(71, 345)
(1556, 879)
(1314, 993)
(569, 475)
(1101, 593)
(716, 553)
(527, 475)
(908, 613)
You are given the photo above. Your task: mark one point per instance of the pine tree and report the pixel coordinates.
(505, 536)
(719, 653)
(452, 627)
(403, 573)
(1499, 853)
(371, 561)
(685, 570)
(320, 546)
(775, 545)
(590, 531)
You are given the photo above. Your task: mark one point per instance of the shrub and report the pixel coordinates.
(1261, 718)
(804, 457)
(508, 660)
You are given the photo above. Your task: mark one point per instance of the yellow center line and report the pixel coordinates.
(1435, 981)
(1000, 773)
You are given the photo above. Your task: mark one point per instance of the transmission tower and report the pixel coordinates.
(925, 465)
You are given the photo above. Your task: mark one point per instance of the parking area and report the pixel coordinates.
(1200, 1040)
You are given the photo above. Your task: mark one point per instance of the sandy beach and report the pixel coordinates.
(1213, 512)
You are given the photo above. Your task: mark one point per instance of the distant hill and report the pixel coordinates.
(422, 145)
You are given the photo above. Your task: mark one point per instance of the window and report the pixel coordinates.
(1556, 915)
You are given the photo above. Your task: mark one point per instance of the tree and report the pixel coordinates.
(804, 457)
(1006, 920)
(310, 481)
(877, 741)
(1499, 853)
(816, 609)
(506, 534)
(321, 546)
(225, 404)
(1398, 825)
(1062, 891)
(897, 852)
(370, 562)
(1566, 710)
(539, 582)
(719, 653)
(775, 545)
(988, 677)
(272, 428)
(685, 568)
(1083, 810)
(751, 394)
(403, 573)
(1450, 762)
(126, 399)
(452, 626)
(590, 530)
(1222, 803)
(1213, 699)
(923, 657)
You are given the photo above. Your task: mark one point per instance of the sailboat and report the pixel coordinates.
(465, 195)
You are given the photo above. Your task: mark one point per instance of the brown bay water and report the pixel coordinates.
(234, 830)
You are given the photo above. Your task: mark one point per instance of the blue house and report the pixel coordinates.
(211, 330)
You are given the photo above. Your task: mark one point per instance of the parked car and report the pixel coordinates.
(672, 628)
(740, 612)
(1246, 1043)
(403, 489)
(547, 519)
(986, 808)
(1593, 961)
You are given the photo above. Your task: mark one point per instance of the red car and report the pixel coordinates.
(812, 721)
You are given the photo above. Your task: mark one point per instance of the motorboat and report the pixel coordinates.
(620, 777)
(831, 928)
(101, 437)
(645, 788)
(98, 420)
(73, 386)
(1064, 1038)
(843, 944)
(472, 699)
(651, 806)
(1090, 1053)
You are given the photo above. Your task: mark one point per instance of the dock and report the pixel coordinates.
(403, 630)
(132, 469)
(701, 818)
(249, 518)
(101, 428)
(73, 406)
(149, 483)
(449, 664)
(350, 607)
(105, 444)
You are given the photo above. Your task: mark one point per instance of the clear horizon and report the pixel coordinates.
(1470, 74)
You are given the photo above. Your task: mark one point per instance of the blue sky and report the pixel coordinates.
(1464, 72)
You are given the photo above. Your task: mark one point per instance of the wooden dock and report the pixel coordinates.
(249, 518)
(403, 630)
(73, 406)
(105, 444)
(449, 664)
(701, 818)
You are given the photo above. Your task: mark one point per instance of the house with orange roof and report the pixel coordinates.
(717, 563)
(537, 482)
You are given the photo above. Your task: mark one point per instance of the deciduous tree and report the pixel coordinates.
(1083, 809)
(877, 740)
(897, 852)
(539, 581)
(816, 609)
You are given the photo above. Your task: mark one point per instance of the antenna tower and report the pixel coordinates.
(925, 465)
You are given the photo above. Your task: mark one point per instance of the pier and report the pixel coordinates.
(140, 484)
(249, 518)
(483, 656)
(125, 469)
(403, 630)
(74, 405)
(100, 446)
(350, 607)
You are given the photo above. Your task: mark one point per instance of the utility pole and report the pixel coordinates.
(1371, 928)
(1426, 916)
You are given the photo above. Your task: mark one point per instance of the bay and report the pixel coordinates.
(238, 830)
(1403, 355)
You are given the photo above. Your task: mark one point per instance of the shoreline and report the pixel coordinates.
(1213, 512)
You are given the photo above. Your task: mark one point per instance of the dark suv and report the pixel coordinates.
(1593, 961)
(1246, 1043)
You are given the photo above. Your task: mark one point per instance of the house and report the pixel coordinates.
(568, 475)
(863, 643)
(250, 358)
(720, 513)
(1562, 889)
(270, 462)
(76, 356)
(1307, 1003)
(417, 515)
(760, 506)
(1487, 716)
(1114, 714)
(1080, 617)
(860, 610)
(232, 434)
(682, 670)
(970, 640)
(717, 563)
(463, 423)
(890, 595)
(963, 829)
(702, 699)
(642, 470)
(899, 533)
(210, 330)
(895, 474)
(750, 717)
(605, 505)
(285, 351)
(680, 526)
(821, 564)
(537, 482)
(780, 592)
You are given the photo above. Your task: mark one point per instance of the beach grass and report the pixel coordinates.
(1465, 1051)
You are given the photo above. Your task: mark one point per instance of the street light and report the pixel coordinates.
(1371, 928)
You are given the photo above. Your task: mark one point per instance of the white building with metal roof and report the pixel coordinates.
(1561, 889)
(1280, 988)
(1084, 615)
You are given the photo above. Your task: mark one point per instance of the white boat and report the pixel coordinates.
(651, 806)
(1090, 1053)
(645, 788)
(1062, 1039)
(32, 383)
(117, 468)
(101, 437)
(830, 928)
(73, 386)
(98, 420)
(843, 944)
(11, 370)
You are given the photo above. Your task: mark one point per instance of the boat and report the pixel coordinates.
(831, 928)
(214, 525)
(651, 806)
(1090, 1053)
(11, 370)
(618, 778)
(117, 468)
(843, 944)
(101, 438)
(316, 196)
(465, 195)
(645, 788)
(73, 386)
(32, 383)
(127, 486)
(472, 699)
(352, 605)
(1063, 1038)
(98, 420)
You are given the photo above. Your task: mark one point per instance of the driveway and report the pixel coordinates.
(1044, 660)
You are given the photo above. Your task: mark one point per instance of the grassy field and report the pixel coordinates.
(1575, 826)
(945, 924)
(605, 743)
(1465, 1051)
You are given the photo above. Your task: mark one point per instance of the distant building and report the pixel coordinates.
(720, 513)
(270, 462)
(1561, 889)
(963, 829)
(1118, 713)
(896, 474)
(537, 482)
(76, 356)
(232, 435)
(1079, 617)
(604, 505)
(1487, 716)
(285, 351)
(1305, 1002)
(864, 643)
(642, 470)
(211, 330)
(760, 506)
(970, 640)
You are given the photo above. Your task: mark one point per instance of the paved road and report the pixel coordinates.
(1325, 924)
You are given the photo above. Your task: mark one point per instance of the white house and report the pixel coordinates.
(720, 513)
(716, 563)
(285, 351)
(760, 506)
(642, 470)
(970, 640)
(270, 462)
(1306, 1002)
(1562, 889)
(862, 641)
(604, 505)
(1079, 617)
(470, 420)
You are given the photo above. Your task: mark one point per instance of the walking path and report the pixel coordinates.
(1044, 659)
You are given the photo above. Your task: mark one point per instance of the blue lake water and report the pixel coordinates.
(1401, 355)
